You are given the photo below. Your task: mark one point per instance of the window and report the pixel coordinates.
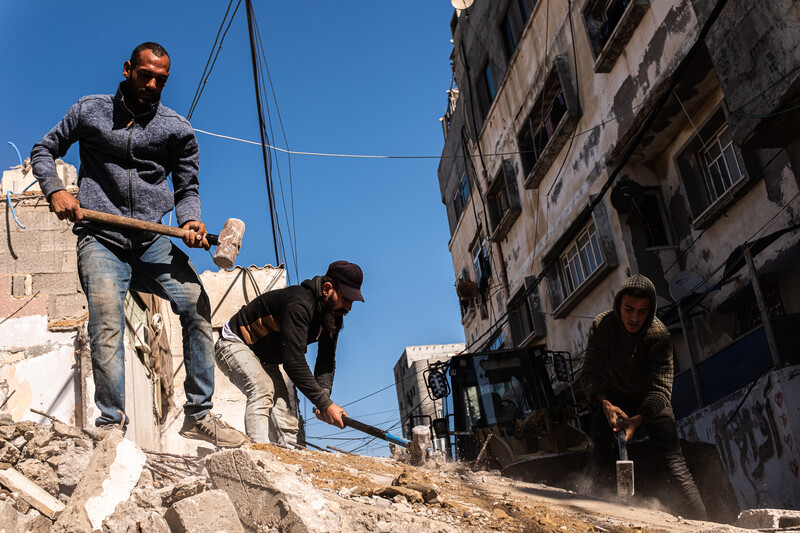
(486, 89)
(462, 195)
(748, 314)
(483, 271)
(610, 25)
(546, 129)
(480, 261)
(719, 165)
(580, 257)
(513, 23)
(519, 319)
(709, 166)
(651, 215)
(541, 127)
(525, 317)
(503, 201)
(498, 342)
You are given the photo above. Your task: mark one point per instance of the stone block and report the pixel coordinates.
(55, 283)
(207, 512)
(129, 517)
(58, 241)
(31, 494)
(20, 286)
(768, 519)
(66, 305)
(28, 262)
(269, 494)
(109, 479)
(9, 516)
(69, 262)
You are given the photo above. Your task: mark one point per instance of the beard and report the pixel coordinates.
(331, 320)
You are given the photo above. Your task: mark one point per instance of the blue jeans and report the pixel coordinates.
(162, 269)
(268, 408)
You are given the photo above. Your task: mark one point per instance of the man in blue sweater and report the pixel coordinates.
(129, 144)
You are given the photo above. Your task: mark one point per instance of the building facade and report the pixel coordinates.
(410, 374)
(590, 140)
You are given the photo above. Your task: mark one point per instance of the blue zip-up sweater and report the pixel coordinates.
(125, 161)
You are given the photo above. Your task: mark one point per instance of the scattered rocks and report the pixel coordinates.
(207, 512)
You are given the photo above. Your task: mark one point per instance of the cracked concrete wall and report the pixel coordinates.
(756, 440)
(41, 304)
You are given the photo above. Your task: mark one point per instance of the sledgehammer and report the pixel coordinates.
(624, 467)
(375, 432)
(228, 242)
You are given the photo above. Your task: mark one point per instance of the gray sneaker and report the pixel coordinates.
(212, 429)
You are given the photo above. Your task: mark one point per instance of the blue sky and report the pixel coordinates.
(357, 77)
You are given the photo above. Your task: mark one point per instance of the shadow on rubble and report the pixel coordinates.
(588, 476)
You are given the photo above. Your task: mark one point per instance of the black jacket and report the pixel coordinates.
(634, 366)
(280, 324)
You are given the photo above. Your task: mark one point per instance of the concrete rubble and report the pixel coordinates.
(59, 479)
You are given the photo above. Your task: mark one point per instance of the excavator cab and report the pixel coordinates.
(505, 397)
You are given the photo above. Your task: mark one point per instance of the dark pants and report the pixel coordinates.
(664, 433)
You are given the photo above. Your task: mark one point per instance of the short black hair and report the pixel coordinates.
(333, 282)
(156, 48)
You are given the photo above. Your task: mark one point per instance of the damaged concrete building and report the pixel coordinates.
(590, 140)
(45, 363)
(411, 377)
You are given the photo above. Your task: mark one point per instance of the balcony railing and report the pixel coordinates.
(737, 365)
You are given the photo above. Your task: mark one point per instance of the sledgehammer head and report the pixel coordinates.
(230, 242)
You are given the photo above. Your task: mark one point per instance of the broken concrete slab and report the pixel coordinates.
(70, 467)
(40, 473)
(34, 522)
(768, 519)
(130, 516)
(182, 489)
(268, 493)
(109, 479)
(207, 512)
(32, 493)
(8, 517)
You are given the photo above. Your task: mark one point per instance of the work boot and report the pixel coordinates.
(212, 429)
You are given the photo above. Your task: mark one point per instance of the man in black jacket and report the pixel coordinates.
(275, 329)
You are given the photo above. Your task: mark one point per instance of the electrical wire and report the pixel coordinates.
(262, 128)
(207, 70)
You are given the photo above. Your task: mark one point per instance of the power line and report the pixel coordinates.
(262, 128)
(207, 70)
(375, 156)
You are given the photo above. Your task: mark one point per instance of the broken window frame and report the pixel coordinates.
(503, 201)
(557, 97)
(610, 24)
(513, 22)
(486, 89)
(462, 195)
(705, 200)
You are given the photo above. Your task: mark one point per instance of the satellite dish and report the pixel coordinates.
(626, 196)
(685, 282)
(461, 4)
(466, 289)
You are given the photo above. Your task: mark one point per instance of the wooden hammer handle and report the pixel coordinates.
(134, 223)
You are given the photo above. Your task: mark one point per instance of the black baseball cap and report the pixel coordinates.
(349, 277)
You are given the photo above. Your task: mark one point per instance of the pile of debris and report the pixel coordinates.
(57, 479)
